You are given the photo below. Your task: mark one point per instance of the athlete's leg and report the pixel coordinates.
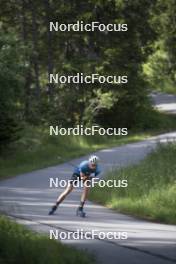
(84, 196)
(62, 196)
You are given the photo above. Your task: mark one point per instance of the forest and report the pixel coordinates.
(30, 52)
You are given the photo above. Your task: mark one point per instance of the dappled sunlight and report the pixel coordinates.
(30, 205)
(169, 108)
(108, 150)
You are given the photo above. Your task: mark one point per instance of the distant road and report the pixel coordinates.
(164, 102)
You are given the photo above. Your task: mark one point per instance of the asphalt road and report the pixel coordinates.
(164, 102)
(27, 198)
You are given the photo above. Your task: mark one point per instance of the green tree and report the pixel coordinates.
(161, 65)
(11, 106)
(106, 53)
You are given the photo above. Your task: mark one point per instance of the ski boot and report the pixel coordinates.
(53, 209)
(80, 212)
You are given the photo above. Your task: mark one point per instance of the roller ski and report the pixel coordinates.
(80, 212)
(53, 209)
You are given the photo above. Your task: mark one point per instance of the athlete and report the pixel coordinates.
(86, 170)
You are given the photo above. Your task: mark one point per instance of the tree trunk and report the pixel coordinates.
(35, 58)
(26, 58)
(50, 63)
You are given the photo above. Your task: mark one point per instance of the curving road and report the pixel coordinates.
(28, 197)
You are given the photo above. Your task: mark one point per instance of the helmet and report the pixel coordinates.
(93, 159)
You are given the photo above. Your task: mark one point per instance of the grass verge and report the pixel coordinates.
(18, 245)
(36, 149)
(151, 190)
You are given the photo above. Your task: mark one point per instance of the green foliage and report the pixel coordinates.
(19, 245)
(151, 191)
(160, 68)
(10, 88)
(97, 104)
(36, 149)
(9, 130)
(66, 53)
(150, 119)
(157, 70)
(30, 52)
(10, 72)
